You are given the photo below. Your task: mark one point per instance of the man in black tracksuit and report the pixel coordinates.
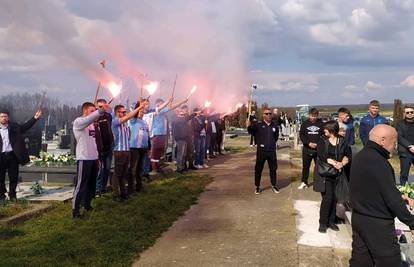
(309, 133)
(376, 202)
(405, 129)
(267, 133)
(253, 120)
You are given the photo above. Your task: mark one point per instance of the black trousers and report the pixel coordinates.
(307, 157)
(252, 139)
(261, 158)
(136, 167)
(327, 211)
(374, 242)
(85, 184)
(121, 173)
(9, 164)
(213, 144)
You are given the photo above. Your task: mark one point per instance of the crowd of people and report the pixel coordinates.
(136, 142)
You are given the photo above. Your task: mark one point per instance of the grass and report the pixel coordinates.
(235, 149)
(12, 208)
(113, 234)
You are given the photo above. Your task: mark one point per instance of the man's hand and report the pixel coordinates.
(38, 114)
(312, 145)
(408, 201)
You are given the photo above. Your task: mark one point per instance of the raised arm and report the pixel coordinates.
(174, 106)
(83, 122)
(29, 124)
(131, 114)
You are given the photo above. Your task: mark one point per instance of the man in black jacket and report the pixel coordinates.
(104, 142)
(309, 133)
(267, 133)
(252, 120)
(13, 151)
(405, 129)
(376, 202)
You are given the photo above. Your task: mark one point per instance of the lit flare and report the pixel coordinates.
(207, 104)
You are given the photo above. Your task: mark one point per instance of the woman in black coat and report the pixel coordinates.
(334, 153)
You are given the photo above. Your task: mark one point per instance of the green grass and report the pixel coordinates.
(235, 149)
(111, 235)
(9, 209)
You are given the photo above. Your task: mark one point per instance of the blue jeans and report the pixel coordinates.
(200, 146)
(405, 164)
(104, 170)
(146, 167)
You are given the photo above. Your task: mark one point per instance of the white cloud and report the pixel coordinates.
(409, 81)
(372, 86)
(282, 81)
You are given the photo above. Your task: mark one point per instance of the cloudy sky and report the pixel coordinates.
(297, 51)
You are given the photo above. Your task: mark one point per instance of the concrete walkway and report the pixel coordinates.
(231, 226)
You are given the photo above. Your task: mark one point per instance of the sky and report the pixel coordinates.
(296, 51)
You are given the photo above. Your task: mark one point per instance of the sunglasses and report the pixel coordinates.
(267, 113)
(122, 112)
(409, 112)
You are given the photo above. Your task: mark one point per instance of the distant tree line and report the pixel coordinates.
(23, 106)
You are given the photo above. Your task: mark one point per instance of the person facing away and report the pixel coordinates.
(105, 145)
(370, 120)
(310, 132)
(375, 202)
(13, 152)
(267, 133)
(405, 129)
(87, 157)
(333, 150)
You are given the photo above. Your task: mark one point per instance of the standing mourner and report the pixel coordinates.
(405, 129)
(221, 127)
(333, 153)
(309, 133)
(370, 120)
(139, 143)
(345, 117)
(181, 134)
(253, 120)
(105, 144)
(86, 156)
(122, 154)
(13, 151)
(267, 133)
(199, 130)
(375, 202)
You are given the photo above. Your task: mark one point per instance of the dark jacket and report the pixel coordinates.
(373, 191)
(16, 138)
(180, 129)
(350, 131)
(367, 123)
(310, 132)
(342, 149)
(104, 136)
(266, 135)
(405, 131)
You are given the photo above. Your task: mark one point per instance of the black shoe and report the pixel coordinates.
(334, 227)
(117, 199)
(3, 201)
(124, 197)
(12, 198)
(75, 214)
(257, 191)
(275, 190)
(322, 229)
(192, 167)
(179, 172)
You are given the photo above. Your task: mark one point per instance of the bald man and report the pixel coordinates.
(375, 202)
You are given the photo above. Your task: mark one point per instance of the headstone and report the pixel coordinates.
(50, 131)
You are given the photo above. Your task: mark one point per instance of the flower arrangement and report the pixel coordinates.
(407, 189)
(36, 188)
(47, 159)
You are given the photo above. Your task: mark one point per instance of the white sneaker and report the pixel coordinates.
(251, 145)
(198, 166)
(302, 186)
(205, 166)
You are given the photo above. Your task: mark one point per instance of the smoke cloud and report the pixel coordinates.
(205, 43)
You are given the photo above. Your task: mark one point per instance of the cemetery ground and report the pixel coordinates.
(175, 223)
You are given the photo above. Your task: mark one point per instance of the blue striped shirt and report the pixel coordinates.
(121, 135)
(159, 124)
(139, 133)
